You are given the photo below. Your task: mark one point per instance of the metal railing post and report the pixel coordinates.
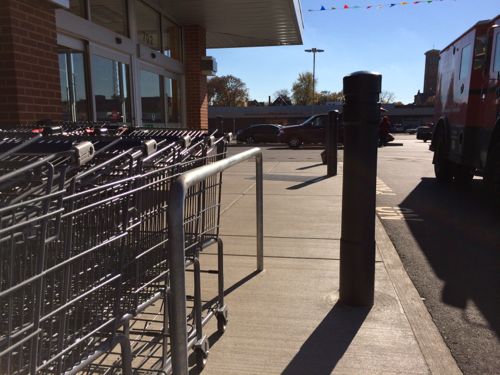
(259, 196)
(357, 243)
(177, 277)
(178, 321)
(331, 143)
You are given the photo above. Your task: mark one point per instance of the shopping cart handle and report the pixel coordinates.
(210, 141)
(150, 146)
(186, 141)
(84, 152)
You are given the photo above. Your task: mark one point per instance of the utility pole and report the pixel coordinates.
(314, 51)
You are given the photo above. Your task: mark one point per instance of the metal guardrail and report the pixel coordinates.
(179, 336)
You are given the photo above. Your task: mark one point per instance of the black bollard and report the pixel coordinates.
(331, 132)
(220, 132)
(361, 116)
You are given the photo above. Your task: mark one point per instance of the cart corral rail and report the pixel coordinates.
(89, 242)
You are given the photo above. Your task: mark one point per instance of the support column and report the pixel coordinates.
(29, 68)
(196, 83)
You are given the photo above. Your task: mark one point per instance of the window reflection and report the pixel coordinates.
(63, 78)
(466, 61)
(111, 88)
(172, 99)
(148, 25)
(151, 100)
(77, 7)
(111, 14)
(496, 68)
(171, 39)
(73, 85)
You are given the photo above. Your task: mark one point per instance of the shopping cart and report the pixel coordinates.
(84, 244)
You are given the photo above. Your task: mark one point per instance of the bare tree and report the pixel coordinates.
(227, 91)
(284, 93)
(387, 97)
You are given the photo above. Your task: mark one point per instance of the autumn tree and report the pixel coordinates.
(227, 91)
(302, 89)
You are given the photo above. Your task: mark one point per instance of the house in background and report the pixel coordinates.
(141, 62)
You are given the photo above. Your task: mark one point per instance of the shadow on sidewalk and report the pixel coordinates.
(310, 166)
(329, 341)
(307, 183)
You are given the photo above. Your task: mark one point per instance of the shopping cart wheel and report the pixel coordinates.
(201, 350)
(221, 315)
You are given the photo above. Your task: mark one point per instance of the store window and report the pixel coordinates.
(171, 39)
(111, 14)
(151, 99)
(148, 25)
(172, 100)
(72, 70)
(78, 7)
(111, 89)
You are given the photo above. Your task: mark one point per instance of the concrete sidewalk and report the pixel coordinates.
(286, 320)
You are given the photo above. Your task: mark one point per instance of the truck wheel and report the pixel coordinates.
(443, 168)
(294, 142)
(492, 173)
(250, 140)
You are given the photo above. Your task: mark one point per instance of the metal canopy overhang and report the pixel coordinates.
(241, 23)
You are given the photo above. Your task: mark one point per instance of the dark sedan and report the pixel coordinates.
(259, 133)
(424, 133)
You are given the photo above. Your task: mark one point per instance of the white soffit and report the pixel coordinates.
(241, 23)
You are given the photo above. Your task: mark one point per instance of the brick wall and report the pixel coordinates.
(29, 70)
(196, 84)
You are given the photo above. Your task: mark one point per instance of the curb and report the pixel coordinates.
(436, 353)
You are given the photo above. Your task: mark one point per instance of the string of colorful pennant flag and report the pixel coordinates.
(375, 6)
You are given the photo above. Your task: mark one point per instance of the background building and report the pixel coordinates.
(132, 61)
(430, 77)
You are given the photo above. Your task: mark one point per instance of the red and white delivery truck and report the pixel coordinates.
(466, 139)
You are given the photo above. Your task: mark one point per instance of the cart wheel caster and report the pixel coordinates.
(222, 319)
(201, 350)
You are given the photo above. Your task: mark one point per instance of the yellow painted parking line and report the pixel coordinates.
(383, 189)
(397, 213)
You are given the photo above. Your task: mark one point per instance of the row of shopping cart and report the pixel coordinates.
(84, 242)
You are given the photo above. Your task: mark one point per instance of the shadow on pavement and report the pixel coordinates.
(307, 183)
(390, 144)
(232, 288)
(285, 147)
(321, 352)
(309, 166)
(460, 237)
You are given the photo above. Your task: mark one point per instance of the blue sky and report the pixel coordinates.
(391, 41)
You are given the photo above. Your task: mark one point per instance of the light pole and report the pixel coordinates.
(314, 51)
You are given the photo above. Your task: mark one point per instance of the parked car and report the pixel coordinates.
(259, 133)
(424, 133)
(311, 131)
(397, 128)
